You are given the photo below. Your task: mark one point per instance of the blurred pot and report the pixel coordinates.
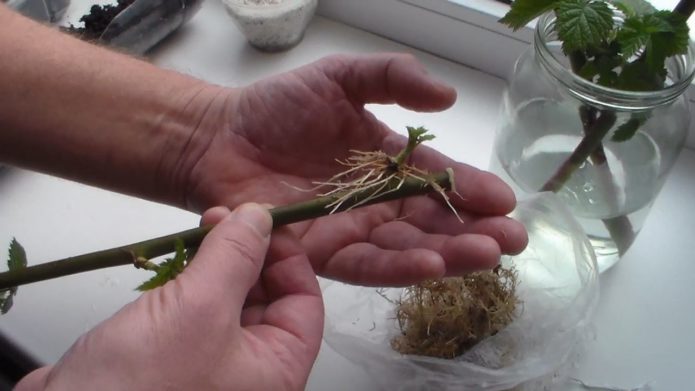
(272, 26)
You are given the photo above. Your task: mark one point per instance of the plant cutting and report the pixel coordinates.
(594, 111)
(370, 177)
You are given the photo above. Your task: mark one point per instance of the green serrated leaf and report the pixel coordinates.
(605, 67)
(661, 34)
(634, 7)
(637, 76)
(524, 11)
(667, 42)
(418, 134)
(16, 260)
(6, 301)
(17, 257)
(168, 269)
(582, 24)
(632, 37)
(589, 71)
(608, 79)
(625, 9)
(628, 129)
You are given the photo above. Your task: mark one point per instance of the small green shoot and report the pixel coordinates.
(168, 269)
(17, 259)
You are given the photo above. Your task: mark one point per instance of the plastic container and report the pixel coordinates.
(276, 26)
(558, 288)
(43, 10)
(145, 23)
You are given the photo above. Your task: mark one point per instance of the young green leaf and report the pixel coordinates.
(637, 76)
(633, 36)
(664, 44)
(167, 270)
(17, 259)
(602, 68)
(634, 7)
(6, 300)
(627, 130)
(582, 24)
(662, 33)
(17, 256)
(524, 11)
(418, 134)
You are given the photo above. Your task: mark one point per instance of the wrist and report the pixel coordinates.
(89, 114)
(184, 133)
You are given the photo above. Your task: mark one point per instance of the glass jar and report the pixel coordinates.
(559, 132)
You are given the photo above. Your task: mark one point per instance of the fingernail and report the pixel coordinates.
(256, 217)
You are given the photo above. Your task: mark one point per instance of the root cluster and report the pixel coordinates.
(377, 174)
(445, 318)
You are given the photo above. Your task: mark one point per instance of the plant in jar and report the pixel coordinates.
(595, 112)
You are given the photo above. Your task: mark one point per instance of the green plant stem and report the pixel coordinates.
(403, 155)
(137, 252)
(591, 147)
(685, 8)
(589, 143)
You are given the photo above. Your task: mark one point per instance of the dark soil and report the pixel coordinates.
(98, 18)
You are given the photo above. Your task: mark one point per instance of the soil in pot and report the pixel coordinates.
(98, 18)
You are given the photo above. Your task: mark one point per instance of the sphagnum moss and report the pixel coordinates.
(445, 318)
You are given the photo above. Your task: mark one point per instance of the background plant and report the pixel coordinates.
(619, 44)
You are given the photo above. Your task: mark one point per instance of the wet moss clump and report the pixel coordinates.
(445, 318)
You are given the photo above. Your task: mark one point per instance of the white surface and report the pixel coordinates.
(644, 323)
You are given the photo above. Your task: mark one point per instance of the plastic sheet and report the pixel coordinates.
(42, 10)
(557, 286)
(145, 23)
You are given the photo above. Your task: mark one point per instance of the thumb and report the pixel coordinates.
(230, 258)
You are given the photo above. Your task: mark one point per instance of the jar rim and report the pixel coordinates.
(607, 96)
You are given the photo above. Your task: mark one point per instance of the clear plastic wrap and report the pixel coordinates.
(558, 288)
(42, 10)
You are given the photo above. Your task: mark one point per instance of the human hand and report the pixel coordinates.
(291, 129)
(230, 321)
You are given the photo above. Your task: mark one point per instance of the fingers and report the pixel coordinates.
(291, 286)
(430, 215)
(463, 253)
(390, 78)
(214, 215)
(368, 264)
(229, 260)
(393, 261)
(291, 299)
